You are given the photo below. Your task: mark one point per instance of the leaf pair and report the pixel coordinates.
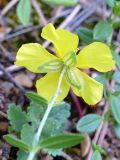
(101, 32)
(54, 142)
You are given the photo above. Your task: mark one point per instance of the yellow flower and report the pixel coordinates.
(37, 59)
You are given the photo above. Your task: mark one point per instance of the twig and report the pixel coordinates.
(3, 114)
(9, 76)
(39, 12)
(84, 15)
(8, 7)
(103, 133)
(66, 156)
(77, 104)
(11, 69)
(98, 132)
(33, 28)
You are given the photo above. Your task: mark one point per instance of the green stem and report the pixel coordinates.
(42, 123)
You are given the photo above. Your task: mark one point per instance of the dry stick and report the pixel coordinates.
(39, 12)
(3, 114)
(11, 69)
(8, 7)
(66, 156)
(98, 132)
(103, 133)
(105, 125)
(9, 76)
(84, 15)
(33, 28)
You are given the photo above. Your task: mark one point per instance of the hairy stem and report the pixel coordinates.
(42, 123)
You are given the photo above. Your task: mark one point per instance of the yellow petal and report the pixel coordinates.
(63, 40)
(91, 90)
(33, 55)
(47, 86)
(96, 55)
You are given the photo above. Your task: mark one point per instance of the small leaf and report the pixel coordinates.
(110, 3)
(27, 134)
(61, 141)
(89, 123)
(98, 148)
(102, 31)
(117, 130)
(24, 11)
(116, 58)
(21, 155)
(51, 66)
(14, 141)
(116, 8)
(50, 127)
(36, 98)
(117, 77)
(101, 78)
(85, 34)
(66, 3)
(96, 156)
(114, 104)
(117, 87)
(17, 117)
(54, 152)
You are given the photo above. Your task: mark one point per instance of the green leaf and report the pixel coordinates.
(117, 77)
(17, 117)
(98, 148)
(116, 58)
(54, 152)
(96, 156)
(101, 78)
(102, 31)
(66, 3)
(60, 113)
(14, 141)
(50, 127)
(27, 134)
(114, 104)
(61, 141)
(36, 98)
(89, 123)
(24, 11)
(116, 8)
(117, 130)
(110, 3)
(21, 155)
(51, 66)
(117, 87)
(85, 34)
(57, 119)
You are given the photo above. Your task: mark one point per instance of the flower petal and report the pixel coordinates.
(33, 55)
(96, 55)
(47, 86)
(91, 90)
(63, 40)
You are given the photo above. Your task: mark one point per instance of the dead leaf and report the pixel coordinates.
(85, 145)
(23, 80)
